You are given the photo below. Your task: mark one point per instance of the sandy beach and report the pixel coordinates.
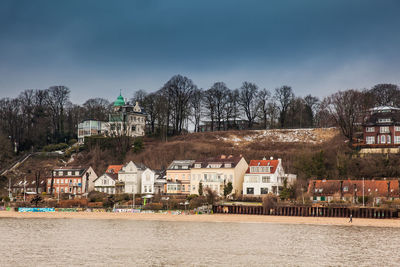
(233, 218)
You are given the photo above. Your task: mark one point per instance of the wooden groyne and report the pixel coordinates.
(308, 211)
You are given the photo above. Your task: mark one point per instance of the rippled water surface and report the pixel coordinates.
(70, 242)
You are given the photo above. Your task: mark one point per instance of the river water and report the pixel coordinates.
(72, 242)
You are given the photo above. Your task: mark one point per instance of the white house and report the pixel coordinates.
(106, 183)
(131, 176)
(265, 176)
(148, 179)
(216, 172)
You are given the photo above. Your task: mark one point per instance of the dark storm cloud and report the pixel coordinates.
(96, 47)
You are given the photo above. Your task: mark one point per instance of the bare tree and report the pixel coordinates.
(284, 95)
(386, 94)
(219, 92)
(210, 106)
(345, 109)
(232, 111)
(311, 103)
(97, 109)
(264, 97)
(196, 105)
(248, 101)
(57, 98)
(179, 90)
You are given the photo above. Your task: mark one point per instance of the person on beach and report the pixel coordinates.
(351, 219)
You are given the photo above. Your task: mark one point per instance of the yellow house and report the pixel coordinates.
(178, 177)
(216, 172)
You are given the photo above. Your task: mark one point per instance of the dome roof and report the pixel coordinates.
(119, 102)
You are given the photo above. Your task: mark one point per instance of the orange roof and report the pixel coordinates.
(375, 187)
(114, 168)
(273, 163)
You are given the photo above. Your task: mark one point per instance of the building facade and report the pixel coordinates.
(216, 172)
(126, 119)
(91, 128)
(106, 183)
(265, 176)
(75, 181)
(130, 177)
(382, 127)
(178, 177)
(148, 180)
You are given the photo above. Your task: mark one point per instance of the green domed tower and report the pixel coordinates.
(120, 101)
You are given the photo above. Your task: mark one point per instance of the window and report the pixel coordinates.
(264, 191)
(384, 129)
(148, 177)
(133, 128)
(397, 139)
(383, 139)
(253, 179)
(228, 165)
(370, 140)
(197, 165)
(388, 139)
(266, 179)
(77, 173)
(370, 129)
(250, 190)
(346, 188)
(183, 187)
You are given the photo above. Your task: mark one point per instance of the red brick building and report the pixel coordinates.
(382, 127)
(74, 181)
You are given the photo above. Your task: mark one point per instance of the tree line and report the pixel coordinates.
(38, 117)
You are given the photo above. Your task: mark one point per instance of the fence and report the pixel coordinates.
(306, 211)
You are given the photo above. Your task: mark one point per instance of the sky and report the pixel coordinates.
(98, 47)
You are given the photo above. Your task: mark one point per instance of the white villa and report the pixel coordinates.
(148, 179)
(265, 176)
(106, 183)
(215, 173)
(131, 176)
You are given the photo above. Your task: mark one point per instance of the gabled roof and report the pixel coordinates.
(273, 163)
(233, 160)
(114, 168)
(109, 175)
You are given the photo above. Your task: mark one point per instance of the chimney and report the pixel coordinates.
(230, 156)
(264, 158)
(271, 158)
(223, 157)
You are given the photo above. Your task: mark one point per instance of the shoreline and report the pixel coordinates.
(220, 218)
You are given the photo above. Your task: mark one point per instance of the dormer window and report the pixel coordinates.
(197, 165)
(370, 129)
(228, 165)
(384, 120)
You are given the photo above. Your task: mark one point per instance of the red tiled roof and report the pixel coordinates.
(273, 163)
(378, 188)
(114, 168)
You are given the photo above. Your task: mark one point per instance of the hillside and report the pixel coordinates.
(286, 144)
(305, 152)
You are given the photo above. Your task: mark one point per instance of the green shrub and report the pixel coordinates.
(55, 147)
(72, 142)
